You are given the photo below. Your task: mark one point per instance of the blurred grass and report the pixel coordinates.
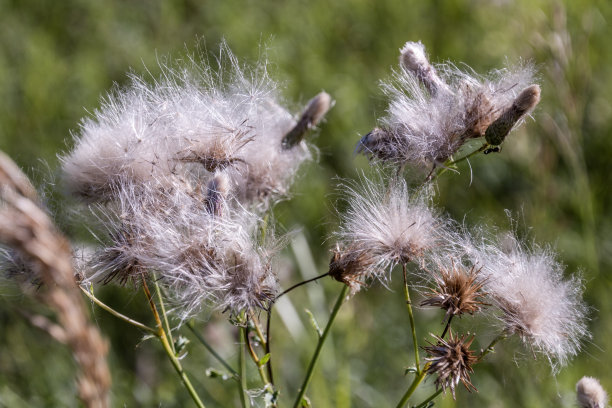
(57, 58)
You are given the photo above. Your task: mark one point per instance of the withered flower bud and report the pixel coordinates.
(524, 102)
(451, 360)
(458, 291)
(313, 113)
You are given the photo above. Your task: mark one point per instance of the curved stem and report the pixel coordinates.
(415, 343)
(115, 313)
(415, 383)
(317, 352)
(297, 285)
(269, 321)
(212, 351)
(430, 398)
(161, 334)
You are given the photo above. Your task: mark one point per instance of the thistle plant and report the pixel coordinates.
(179, 176)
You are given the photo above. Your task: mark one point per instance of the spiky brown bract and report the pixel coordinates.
(458, 291)
(384, 225)
(451, 360)
(590, 393)
(433, 111)
(537, 303)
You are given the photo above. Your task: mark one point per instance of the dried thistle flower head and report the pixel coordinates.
(451, 360)
(434, 111)
(537, 302)
(458, 290)
(590, 393)
(351, 266)
(384, 225)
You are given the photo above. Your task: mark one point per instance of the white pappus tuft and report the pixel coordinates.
(433, 111)
(537, 302)
(194, 120)
(590, 393)
(384, 225)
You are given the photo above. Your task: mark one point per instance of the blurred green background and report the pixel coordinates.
(58, 58)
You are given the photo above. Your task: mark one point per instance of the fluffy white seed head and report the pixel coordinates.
(590, 393)
(383, 225)
(540, 305)
(194, 120)
(204, 258)
(433, 111)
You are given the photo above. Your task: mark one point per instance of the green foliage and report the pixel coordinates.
(57, 58)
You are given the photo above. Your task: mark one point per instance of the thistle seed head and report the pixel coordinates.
(434, 111)
(537, 303)
(590, 393)
(458, 291)
(384, 226)
(451, 360)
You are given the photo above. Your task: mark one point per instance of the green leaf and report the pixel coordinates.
(313, 322)
(264, 359)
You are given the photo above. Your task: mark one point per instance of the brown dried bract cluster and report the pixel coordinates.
(452, 360)
(458, 291)
(351, 267)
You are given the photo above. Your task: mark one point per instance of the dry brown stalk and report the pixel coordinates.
(27, 228)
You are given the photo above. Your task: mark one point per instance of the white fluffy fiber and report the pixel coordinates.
(538, 303)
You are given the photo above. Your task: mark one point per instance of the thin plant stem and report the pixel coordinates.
(448, 323)
(430, 398)
(163, 313)
(212, 351)
(297, 285)
(267, 344)
(491, 345)
(257, 361)
(242, 364)
(454, 162)
(161, 334)
(317, 352)
(264, 341)
(415, 343)
(115, 313)
(269, 321)
(415, 384)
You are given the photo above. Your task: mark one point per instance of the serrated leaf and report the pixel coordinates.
(313, 322)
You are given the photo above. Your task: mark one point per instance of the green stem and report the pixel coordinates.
(454, 162)
(417, 362)
(489, 348)
(161, 334)
(317, 352)
(212, 351)
(163, 313)
(242, 363)
(431, 397)
(415, 383)
(115, 313)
